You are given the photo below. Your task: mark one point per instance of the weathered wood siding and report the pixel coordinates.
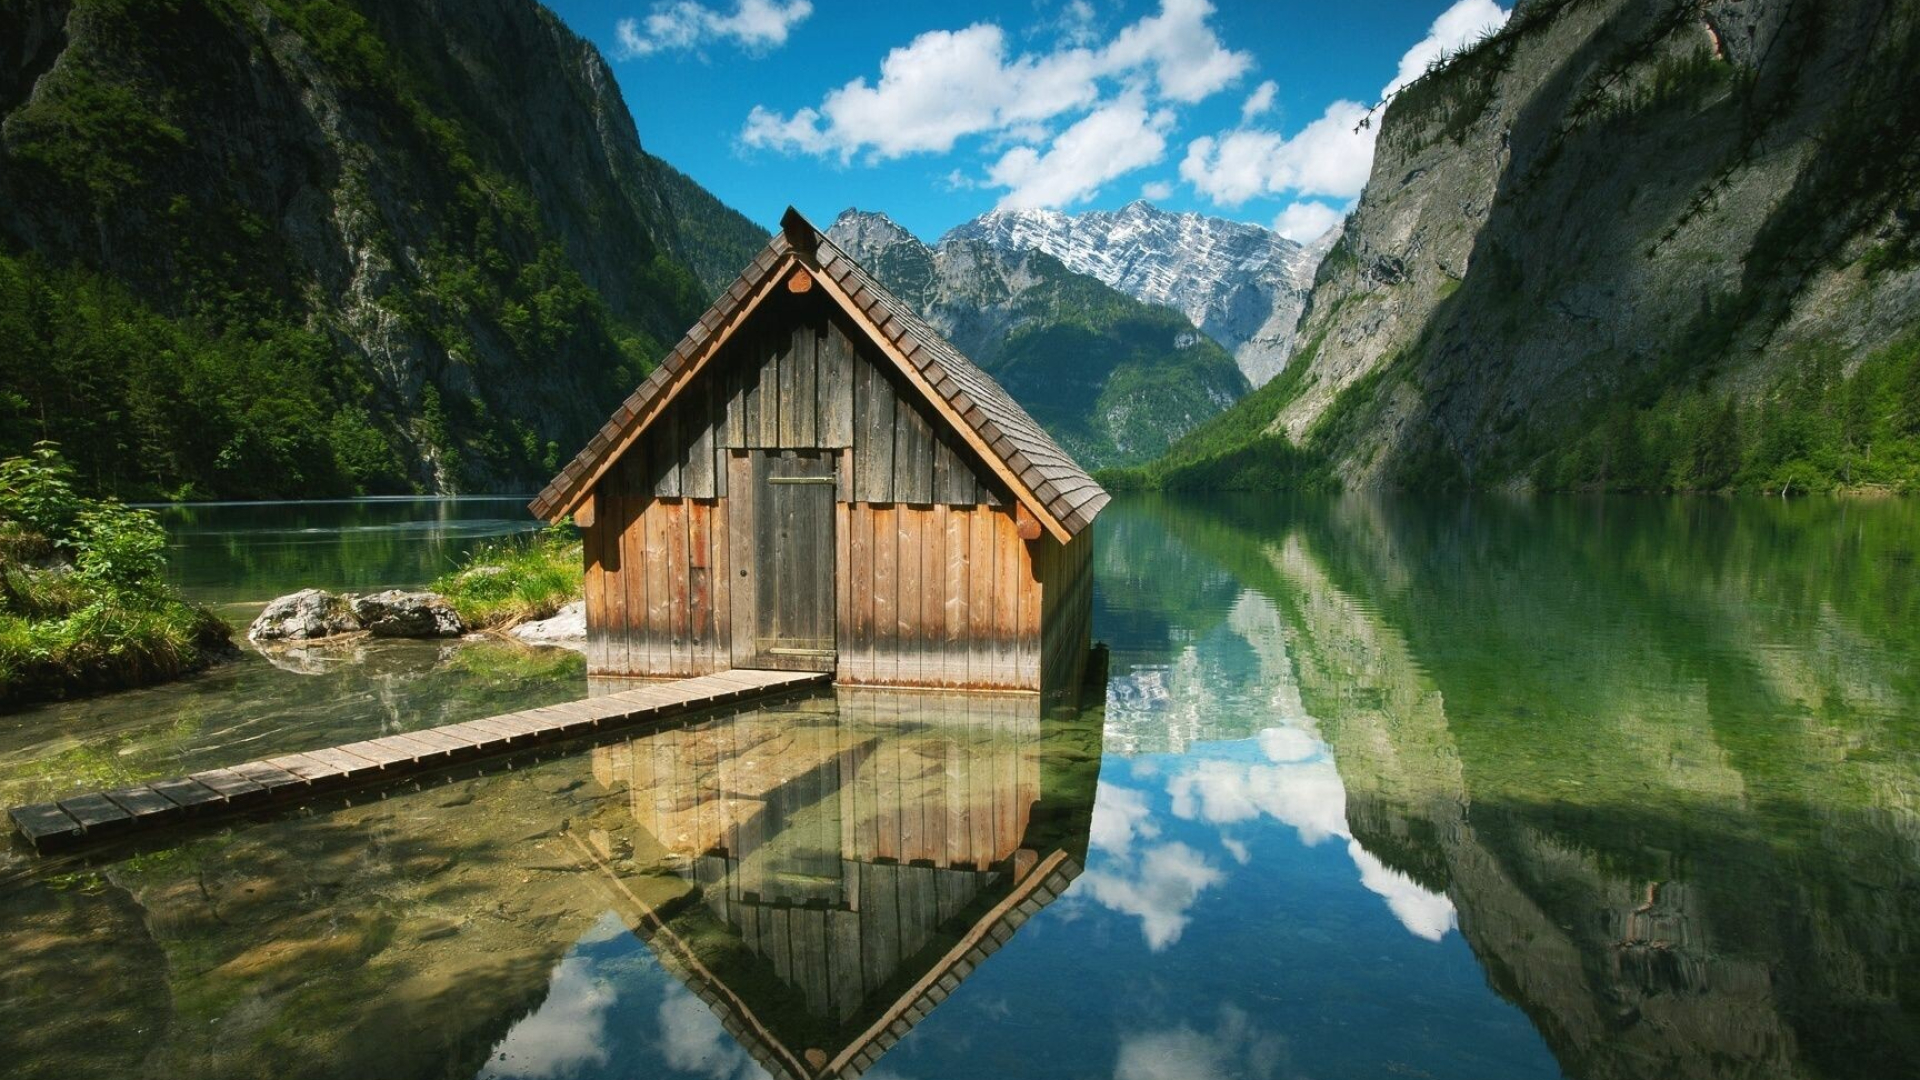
(798, 381)
(658, 587)
(934, 586)
(1066, 616)
(938, 596)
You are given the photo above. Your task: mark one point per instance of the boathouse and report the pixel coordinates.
(814, 479)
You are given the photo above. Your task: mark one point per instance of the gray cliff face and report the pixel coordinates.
(1613, 200)
(452, 193)
(1113, 379)
(1244, 286)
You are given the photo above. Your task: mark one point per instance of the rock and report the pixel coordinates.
(309, 613)
(567, 629)
(395, 613)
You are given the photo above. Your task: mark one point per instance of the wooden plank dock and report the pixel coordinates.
(253, 784)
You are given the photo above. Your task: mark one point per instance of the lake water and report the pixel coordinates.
(1474, 789)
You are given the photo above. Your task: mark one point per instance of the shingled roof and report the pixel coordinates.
(1041, 475)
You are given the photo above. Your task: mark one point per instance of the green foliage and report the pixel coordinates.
(120, 549)
(515, 581)
(1236, 450)
(157, 320)
(107, 622)
(37, 493)
(1814, 429)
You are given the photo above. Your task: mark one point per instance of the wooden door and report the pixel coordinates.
(793, 554)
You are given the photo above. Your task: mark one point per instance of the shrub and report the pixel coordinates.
(509, 582)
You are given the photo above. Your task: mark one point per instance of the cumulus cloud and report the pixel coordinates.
(1425, 914)
(567, 1031)
(1260, 102)
(1156, 190)
(1111, 141)
(1158, 890)
(1298, 785)
(1119, 815)
(949, 85)
(692, 1040)
(1235, 1047)
(1457, 27)
(1306, 221)
(755, 25)
(1328, 157)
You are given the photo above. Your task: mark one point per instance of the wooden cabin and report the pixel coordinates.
(814, 479)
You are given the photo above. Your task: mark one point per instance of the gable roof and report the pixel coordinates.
(1041, 475)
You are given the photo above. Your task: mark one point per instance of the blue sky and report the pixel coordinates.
(938, 112)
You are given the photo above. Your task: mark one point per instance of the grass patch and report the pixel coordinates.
(83, 606)
(514, 581)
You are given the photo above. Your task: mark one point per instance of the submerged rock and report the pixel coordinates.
(309, 613)
(395, 613)
(567, 628)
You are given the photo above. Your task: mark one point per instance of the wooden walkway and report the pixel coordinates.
(99, 815)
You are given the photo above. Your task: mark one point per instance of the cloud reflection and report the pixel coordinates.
(1234, 1048)
(1158, 890)
(692, 1040)
(567, 1031)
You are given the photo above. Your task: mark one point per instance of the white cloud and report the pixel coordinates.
(1260, 102)
(567, 1031)
(1328, 157)
(692, 1040)
(755, 25)
(947, 85)
(1155, 191)
(1234, 1048)
(1427, 915)
(1457, 27)
(1306, 222)
(1186, 57)
(1111, 141)
(1159, 891)
(1119, 815)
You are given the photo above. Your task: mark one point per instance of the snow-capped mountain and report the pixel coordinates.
(1242, 285)
(1115, 379)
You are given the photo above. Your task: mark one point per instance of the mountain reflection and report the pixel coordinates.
(1661, 757)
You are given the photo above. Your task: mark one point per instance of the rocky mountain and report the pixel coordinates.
(1242, 285)
(326, 246)
(1113, 379)
(1621, 244)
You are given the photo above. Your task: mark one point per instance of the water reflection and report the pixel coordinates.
(1657, 761)
(1477, 790)
(785, 891)
(237, 556)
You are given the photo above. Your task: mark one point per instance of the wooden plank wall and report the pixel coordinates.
(939, 596)
(936, 589)
(1066, 616)
(802, 382)
(658, 581)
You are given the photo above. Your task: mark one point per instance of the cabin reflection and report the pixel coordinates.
(852, 860)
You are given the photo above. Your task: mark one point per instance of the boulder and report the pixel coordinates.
(395, 613)
(567, 628)
(309, 613)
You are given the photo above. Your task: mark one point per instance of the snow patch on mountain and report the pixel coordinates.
(1243, 285)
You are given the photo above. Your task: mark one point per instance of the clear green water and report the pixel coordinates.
(1605, 788)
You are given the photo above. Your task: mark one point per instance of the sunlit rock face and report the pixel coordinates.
(1561, 220)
